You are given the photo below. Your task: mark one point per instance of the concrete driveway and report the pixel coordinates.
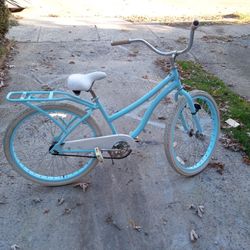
(141, 190)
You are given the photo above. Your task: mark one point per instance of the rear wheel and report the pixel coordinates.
(188, 151)
(30, 136)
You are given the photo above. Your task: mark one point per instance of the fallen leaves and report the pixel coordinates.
(46, 211)
(14, 247)
(193, 236)
(1, 84)
(135, 226)
(218, 166)
(67, 211)
(214, 38)
(182, 40)
(46, 87)
(60, 201)
(199, 210)
(133, 53)
(83, 185)
(10, 66)
(2, 78)
(165, 65)
(246, 160)
(230, 143)
(37, 200)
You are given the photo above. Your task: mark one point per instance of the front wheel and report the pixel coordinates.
(188, 151)
(29, 137)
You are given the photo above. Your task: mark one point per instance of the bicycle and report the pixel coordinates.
(56, 143)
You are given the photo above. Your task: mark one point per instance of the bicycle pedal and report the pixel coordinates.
(98, 154)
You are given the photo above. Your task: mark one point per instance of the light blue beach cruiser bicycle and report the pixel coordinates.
(55, 143)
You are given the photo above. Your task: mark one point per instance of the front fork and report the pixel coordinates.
(193, 110)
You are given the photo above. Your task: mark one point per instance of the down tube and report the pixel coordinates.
(151, 108)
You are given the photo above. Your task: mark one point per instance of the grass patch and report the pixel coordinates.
(230, 104)
(4, 19)
(233, 18)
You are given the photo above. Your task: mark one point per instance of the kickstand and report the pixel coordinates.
(112, 160)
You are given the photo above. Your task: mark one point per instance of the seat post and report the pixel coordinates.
(91, 91)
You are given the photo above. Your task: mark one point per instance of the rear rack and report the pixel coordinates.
(45, 96)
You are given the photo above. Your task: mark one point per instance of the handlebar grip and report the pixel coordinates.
(195, 24)
(114, 43)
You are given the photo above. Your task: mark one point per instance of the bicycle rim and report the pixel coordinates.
(190, 152)
(33, 136)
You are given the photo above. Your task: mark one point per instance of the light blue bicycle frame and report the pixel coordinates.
(167, 85)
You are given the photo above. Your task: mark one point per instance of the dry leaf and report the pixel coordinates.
(46, 211)
(67, 211)
(200, 211)
(37, 200)
(193, 236)
(135, 226)
(46, 87)
(145, 77)
(83, 185)
(187, 87)
(1, 84)
(230, 143)
(15, 247)
(71, 62)
(218, 166)
(246, 160)
(60, 201)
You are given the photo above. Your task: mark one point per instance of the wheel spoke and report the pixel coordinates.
(186, 151)
(35, 134)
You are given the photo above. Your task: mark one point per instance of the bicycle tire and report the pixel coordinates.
(178, 143)
(24, 132)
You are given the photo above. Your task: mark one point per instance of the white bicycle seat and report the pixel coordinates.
(79, 82)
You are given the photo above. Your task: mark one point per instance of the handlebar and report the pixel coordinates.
(194, 26)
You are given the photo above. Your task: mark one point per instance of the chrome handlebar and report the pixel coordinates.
(194, 26)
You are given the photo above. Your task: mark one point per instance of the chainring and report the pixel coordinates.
(120, 150)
